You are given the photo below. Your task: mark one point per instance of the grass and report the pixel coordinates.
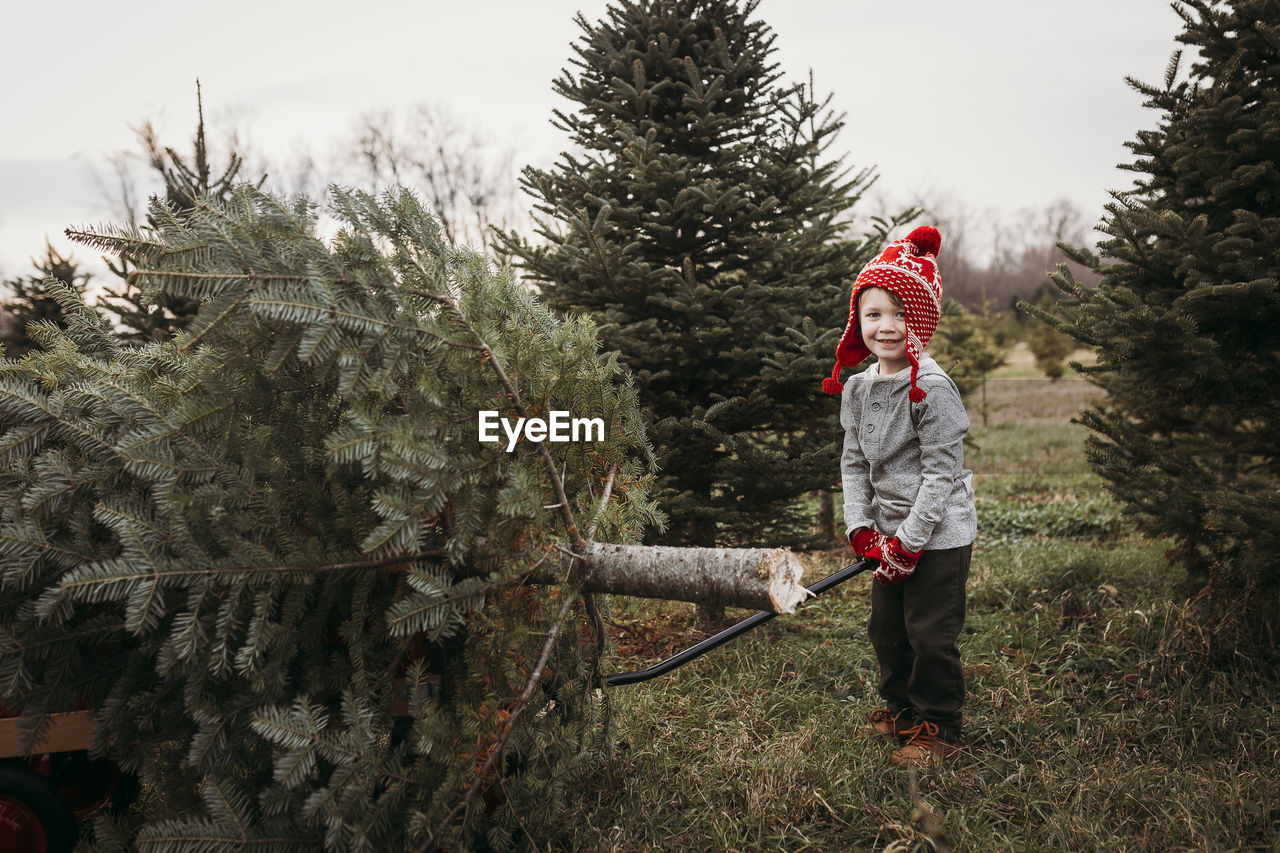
(1021, 364)
(1086, 727)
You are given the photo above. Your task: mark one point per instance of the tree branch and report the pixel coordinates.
(521, 702)
(252, 570)
(557, 485)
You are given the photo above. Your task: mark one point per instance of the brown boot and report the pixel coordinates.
(890, 724)
(923, 746)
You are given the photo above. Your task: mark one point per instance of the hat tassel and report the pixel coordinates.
(832, 384)
(916, 394)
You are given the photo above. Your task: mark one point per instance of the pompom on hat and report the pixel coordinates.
(907, 268)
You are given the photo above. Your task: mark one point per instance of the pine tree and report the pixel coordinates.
(1050, 347)
(1185, 315)
(27, 302)
(153, 315)
(240, 546)
(967, 347)
(701, 227)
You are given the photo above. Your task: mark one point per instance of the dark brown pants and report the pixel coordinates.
(914, 626)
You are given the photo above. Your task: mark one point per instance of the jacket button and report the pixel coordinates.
(875, 407)
(871, 427)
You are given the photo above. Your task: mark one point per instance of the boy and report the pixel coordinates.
(908, 502)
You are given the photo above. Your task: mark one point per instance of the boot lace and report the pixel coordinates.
(922, 734)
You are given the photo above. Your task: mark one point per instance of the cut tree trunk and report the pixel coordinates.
(755, 578)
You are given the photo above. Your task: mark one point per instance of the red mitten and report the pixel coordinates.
(873, 553)
(896, 562)
(863, 539)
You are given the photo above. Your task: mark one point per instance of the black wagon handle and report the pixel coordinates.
(618, 679)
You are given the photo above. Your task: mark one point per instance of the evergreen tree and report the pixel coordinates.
(155, 315)
(967, 347)
(1185, 315)
(273, 555)
(701, 227)
(26, 301)
(1050, 347)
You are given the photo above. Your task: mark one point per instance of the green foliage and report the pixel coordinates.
(1092, 519)
(1007, 327)
(27, 301)
(1050, 346)
(1184, 318)
(702, 229)
(969, 345)
(966, 345)
(231, 544)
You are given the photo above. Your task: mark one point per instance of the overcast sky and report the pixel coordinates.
(995, 105)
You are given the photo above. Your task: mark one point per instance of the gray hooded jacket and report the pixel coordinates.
(903, 462)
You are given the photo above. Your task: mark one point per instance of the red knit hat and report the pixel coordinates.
(909, 270)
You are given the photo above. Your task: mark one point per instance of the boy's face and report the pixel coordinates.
(883, 325)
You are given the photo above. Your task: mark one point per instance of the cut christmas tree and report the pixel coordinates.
(307, 605)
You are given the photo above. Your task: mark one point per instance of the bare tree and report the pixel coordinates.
(994, 258)
(182, 182)
(467, 179)
(130, 176)
(119, 186)
(965, 229)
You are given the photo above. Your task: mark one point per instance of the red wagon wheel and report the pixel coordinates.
(34, 816)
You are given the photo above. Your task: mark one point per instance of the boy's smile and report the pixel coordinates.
(883, 325)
